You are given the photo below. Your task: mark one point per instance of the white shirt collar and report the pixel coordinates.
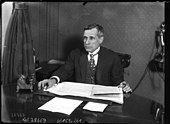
(96, 51)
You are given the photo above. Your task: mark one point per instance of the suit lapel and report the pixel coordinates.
(100, 64)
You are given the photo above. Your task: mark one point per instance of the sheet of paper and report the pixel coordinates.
(62, 105)
(71, 88)
(92, 106)
(87, 90)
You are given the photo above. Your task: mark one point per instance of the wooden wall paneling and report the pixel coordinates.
(69, 29)
(53, 30)
(48, 41)
(44, 19)
(43, 31)
(34, 21)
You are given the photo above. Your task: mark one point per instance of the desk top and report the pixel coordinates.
(23, 107)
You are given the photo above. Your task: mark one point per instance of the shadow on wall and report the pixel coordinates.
(70, 43)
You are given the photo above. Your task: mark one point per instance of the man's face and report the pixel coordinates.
(91, 40)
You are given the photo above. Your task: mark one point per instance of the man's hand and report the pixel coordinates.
(125, 86)
(46, 83)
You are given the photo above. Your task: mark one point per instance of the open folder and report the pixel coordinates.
(111, 93)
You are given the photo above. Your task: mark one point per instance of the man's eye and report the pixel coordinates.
(84, 38)
(91, 38)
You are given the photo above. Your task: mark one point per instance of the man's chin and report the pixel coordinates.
(88, 50)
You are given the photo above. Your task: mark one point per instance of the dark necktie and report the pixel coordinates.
(91, 70)
(92, 62)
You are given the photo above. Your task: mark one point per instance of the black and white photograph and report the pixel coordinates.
(83, 62)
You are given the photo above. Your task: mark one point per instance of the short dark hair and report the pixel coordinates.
(97, 26)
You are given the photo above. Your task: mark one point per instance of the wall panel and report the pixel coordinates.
(44, 25)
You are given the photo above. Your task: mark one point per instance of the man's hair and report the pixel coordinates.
(98, 27)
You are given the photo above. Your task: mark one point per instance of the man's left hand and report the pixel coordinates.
(125, 86)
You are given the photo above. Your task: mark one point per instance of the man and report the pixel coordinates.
(92, 64)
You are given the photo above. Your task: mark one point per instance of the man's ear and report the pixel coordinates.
(101, 39)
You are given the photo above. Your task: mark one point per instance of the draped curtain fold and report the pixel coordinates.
(18, 47)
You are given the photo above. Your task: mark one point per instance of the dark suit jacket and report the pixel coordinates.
(109, 70)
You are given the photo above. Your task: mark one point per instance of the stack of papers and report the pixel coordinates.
(111, 93)
(62, 105)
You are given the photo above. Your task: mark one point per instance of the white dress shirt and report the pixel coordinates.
(95, 57)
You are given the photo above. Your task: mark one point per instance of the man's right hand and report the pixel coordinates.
(46, 83)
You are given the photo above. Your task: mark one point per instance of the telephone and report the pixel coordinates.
(157, 63)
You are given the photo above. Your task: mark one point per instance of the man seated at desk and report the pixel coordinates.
(92, 64)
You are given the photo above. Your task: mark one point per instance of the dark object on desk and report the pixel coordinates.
(158, 112)
(25, 83)
(46, 70)
(105, 94)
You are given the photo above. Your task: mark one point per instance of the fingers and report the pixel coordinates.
(39, 85)
(125, 86)
(43, 83)
(127, 89)
(51, 83)
(122, 84)
(46, 83)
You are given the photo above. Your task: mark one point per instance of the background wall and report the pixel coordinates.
(129, 28)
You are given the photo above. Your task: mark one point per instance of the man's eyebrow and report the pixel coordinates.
(89, 36)
(92, 37)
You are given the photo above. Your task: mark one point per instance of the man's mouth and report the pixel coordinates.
(87, 47)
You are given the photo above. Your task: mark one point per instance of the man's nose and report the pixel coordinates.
(86, 41)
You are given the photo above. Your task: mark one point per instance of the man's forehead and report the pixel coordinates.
(90, 32)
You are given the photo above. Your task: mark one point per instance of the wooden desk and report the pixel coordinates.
(23, 107)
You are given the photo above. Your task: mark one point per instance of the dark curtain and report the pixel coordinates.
(18, 46)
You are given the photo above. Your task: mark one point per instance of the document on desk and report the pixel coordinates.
(93, 106)
(111, 93)
(61, 105)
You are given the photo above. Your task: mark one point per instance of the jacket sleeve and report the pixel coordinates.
(117, 75)
(66, 71)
